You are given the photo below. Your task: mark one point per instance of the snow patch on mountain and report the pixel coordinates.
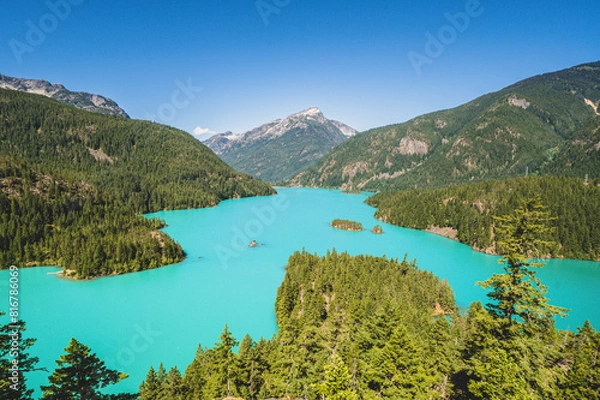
(277, 128)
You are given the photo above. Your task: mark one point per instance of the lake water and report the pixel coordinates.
(138, 320)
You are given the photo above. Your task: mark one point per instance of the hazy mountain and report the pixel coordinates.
(547, 124)
(82, 100)
(279, 149)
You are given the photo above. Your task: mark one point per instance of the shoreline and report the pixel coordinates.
(448, 233)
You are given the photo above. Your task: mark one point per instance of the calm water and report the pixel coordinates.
(138, 320)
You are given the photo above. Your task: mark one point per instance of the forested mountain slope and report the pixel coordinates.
(547, 124)
(75, 177)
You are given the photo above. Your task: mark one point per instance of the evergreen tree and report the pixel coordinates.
(511, 354)
(197, 372)
(496, 376)
(443, 357)
(80, 375)
(13, 383)
(151, 388)
(519, 300)
(336, 384)
(174, 386)
(221, 382)
(400, 372)
(251, 367)
(583, 379)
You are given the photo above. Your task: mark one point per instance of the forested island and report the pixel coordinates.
(470, 210)
(73, 186)
(347, 225)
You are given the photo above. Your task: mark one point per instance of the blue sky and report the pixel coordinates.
(246, 62)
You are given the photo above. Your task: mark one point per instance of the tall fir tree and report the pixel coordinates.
(151, 388)
(80, 376)
(336, 384)
(221, 382)
(513, 355)
(518, 297)
(583, 378)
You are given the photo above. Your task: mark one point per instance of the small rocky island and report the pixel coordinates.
(253, 243)
(377, 229)
(347, 225)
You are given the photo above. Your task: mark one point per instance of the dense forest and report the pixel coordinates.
(363, 327)
(370, 328)
(350, 315)
(347, 225)
(73, 185)
(471, 208)
(44, 221)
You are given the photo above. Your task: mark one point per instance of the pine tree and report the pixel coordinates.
(221, 383)
(80, 375)
(583, 379)
(400, 372)
(251, 367)
(11, 386)
(511, 354)
(443, 355)
(151, 388)
(519, 300)
(174, 386)
(497, 377)
(197, 373)
(336, 382)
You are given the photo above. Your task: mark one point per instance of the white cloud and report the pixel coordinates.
(203, 131)
(203, 134)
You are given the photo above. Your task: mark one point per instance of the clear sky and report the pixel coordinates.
(246, 62)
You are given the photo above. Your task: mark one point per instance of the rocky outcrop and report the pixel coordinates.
(85, 101)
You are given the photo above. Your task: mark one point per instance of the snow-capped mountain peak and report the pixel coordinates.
(266, 151)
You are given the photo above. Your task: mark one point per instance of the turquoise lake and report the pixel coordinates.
(138, 320)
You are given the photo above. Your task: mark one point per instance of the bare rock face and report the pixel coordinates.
(410, 147)
(515, 101)
(85, 101)
(280, 149)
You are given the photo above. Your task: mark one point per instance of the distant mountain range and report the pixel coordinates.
(548, 124)
(280, 149)
(82, 100)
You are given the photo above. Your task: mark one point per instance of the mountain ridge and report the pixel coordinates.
(82, 100)
(279, 149)
(524, 128)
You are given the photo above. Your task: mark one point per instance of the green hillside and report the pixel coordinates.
(73, 184)
(469, 210)
(547, 124)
